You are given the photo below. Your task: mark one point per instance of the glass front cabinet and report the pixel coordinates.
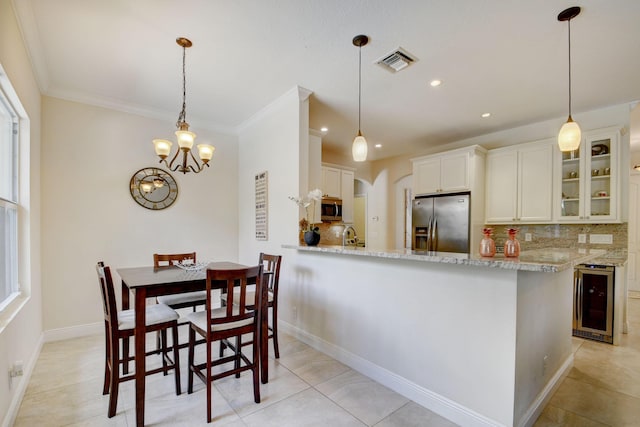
(589, 179)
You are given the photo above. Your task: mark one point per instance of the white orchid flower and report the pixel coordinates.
(315, 194)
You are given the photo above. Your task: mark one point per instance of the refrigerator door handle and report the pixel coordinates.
(434, 239)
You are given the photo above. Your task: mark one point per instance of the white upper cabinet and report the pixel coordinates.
(338, 182)
(587, 187)
(331, 182)
(444, 172)
(520, 183)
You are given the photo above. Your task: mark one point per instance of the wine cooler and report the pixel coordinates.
(593, 302)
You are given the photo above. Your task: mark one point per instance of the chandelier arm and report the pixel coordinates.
(170, 165)
(196, 162)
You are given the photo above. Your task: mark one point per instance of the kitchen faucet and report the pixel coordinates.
(345, 233)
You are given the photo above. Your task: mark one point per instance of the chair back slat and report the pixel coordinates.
(271, 270)
(234, 279)
(165, 260)
(108, 294)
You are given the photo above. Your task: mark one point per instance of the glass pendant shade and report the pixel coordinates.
(205, 151)
(163, 147)
(359, 148)
(569, 136)
(185, 138)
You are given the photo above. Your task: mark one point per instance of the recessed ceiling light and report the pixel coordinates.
(378, 145)
(485, 115)
(324, 129)
(435, 83)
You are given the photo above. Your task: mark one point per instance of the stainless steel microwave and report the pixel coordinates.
(331, 209)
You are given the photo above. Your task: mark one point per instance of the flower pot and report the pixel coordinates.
(311, 238)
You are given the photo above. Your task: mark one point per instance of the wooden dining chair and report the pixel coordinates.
(271, 275)
(184, 300)
(233, 320)
(119, 326)
(176, 301)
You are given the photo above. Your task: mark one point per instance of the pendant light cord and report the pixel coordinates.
(183, 114)
(359, 84)
(569, 24)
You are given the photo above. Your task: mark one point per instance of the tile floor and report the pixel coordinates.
(308, 388)
(603, 387)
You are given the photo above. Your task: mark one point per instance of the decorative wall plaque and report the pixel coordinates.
(262, 215)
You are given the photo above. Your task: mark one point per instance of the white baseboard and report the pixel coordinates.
(27, 370)
(442, 406)
(73, 332)
(536, 408)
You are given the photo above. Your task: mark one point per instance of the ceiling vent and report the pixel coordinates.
(397, 60)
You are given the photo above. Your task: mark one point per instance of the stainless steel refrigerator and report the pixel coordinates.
(441, 223)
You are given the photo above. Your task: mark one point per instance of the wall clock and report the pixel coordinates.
(153, 188)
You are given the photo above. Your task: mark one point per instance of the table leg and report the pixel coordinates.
(140, 302)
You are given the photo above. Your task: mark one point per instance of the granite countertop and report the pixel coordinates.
(542, 260)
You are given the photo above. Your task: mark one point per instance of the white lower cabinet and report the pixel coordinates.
(520, 183)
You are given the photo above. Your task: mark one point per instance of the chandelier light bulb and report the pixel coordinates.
(185, 139)
(205, 151)
(163, 147)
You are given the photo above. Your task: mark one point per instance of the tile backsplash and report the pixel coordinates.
(564, 236)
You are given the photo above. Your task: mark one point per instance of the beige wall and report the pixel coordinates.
(275, 141)
(91, 216)
(20, 335)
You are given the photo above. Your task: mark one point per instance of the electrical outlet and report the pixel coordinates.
(545, 363)
(601, 238)
(582, 238)
(527, 237)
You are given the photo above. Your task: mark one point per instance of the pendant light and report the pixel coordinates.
(359, 147)
(569, 135)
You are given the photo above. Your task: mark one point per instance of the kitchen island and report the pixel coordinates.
(479, 341)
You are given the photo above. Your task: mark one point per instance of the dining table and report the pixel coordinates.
(149, 281)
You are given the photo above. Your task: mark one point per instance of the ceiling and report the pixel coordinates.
(505, 58)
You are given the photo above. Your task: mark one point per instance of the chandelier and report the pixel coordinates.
(184, 136)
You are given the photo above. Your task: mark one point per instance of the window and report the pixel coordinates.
(9, 288)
